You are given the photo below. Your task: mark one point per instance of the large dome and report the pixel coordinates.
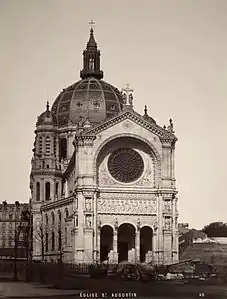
(90, 98)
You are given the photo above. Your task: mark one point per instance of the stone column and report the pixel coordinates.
(159, 231)
(115, 253)
(66, 189)
(98, 245)
(137, 246)
(154, 248)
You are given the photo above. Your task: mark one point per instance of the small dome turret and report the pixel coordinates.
(46, 118)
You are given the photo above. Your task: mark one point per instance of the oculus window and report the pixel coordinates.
(125, 165)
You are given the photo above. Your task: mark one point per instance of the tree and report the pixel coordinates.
(45, 237)
(216, 229)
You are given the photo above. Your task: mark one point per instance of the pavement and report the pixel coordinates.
(33, 290)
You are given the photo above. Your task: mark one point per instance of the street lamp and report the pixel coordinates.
(25, 226)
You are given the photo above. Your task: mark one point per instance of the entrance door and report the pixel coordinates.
(104, 253)
(122, 252)
(142, 253)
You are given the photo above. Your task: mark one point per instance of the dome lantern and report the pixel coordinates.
(91, 59)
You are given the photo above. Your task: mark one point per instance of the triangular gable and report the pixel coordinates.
(136, 118)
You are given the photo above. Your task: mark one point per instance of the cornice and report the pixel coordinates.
(42, 130)
(135, 190)
(136, 118)
(47, 172)
(56, 204)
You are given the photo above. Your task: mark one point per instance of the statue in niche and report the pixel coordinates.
(167, 206)
(167, 223)
(88, 204)
(88, 221)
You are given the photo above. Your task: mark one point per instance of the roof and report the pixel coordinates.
(208, 252)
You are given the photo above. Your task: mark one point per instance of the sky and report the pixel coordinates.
(171, 52)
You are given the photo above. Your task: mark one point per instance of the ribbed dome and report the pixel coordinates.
(90, 98)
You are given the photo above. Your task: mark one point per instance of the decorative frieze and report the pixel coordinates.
(128, 196)
(127, 206)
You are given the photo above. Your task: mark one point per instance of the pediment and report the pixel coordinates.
(135, 118)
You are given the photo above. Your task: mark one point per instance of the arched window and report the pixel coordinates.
(38, 191)
(63, 148)
(47, 191)
(46, 216)
(66, 239)
(59, 216)
(56, 189)
(46, 241)
(62, 187)
(47, 145)
(52, 216)
(59, 240)
(55, 146)
(91, 64)
(66, 213)
(52, 241)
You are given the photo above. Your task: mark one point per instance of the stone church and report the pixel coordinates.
(102, 179)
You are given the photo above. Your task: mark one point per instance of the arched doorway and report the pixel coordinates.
(146, 235)
(126, 243)
(106, 242)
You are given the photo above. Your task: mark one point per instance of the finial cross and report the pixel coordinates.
(91, 23)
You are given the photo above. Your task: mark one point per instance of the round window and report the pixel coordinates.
(125, 165)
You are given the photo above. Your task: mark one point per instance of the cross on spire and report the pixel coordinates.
(91, 23)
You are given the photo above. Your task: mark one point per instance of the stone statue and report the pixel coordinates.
(88, 204)
(124, 98)
(170, 127)
(130, 99)
(167, 223)
(80, 122)
(88, 221)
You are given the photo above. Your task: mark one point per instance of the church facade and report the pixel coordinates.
(102, 180)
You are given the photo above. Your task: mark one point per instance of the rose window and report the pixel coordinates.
(125, 165)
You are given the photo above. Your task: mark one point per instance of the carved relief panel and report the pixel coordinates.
(126, 204)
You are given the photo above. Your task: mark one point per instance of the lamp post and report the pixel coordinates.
(16, 235)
